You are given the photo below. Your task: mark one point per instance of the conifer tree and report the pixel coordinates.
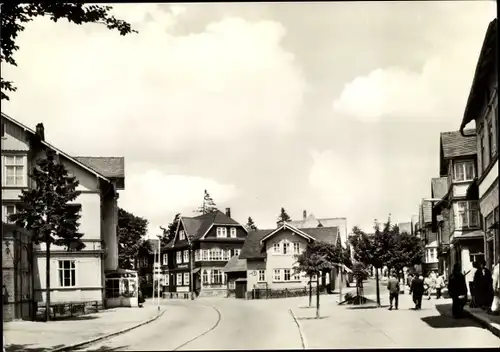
(283, 217)
(208, 205)
(250, 226)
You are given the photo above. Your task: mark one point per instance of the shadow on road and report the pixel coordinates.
(446, 320)
(367, 306)
(19, 348)
(103, 349)
(314, 318)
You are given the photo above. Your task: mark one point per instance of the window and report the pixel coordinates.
(186, 279)
(182, 235)
(221, 232)
(215, 254)
(296, 248)
(277, 275)
(464, 171)
(491, 140)
(2, 131)
(205, 254)
(67, 273)
(483, 152)
(197, 255)
(233, 232)
(204, 277)
(179, 257)
(186, 256)
(179, 279)
(237, 252)
(166, 279)
(226, 254)
(468, 214)
(15, 170)
(7, 211)
(276, 248)
(286, 274)
(286, 248)
(217, 277)
(296, 276)
(431, 254)
(165, 259)
(262, 275)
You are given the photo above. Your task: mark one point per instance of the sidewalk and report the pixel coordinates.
(490, 322)
(41, 336)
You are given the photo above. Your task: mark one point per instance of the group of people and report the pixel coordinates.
(481, 288)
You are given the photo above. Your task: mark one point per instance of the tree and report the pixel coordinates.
(15, 13)
(250, 226)
(46, 211)
(283, 217)
(407, 251)
(208, 205)
(169, 232)
(131, 231)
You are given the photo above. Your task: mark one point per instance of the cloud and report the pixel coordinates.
(158, 196)
(438, 90)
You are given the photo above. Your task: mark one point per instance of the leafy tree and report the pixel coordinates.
(15, 13)
(131, 230)
(283, 217)
(208, 206)
(47, 213)
(407, 251)
(250, 226)
(169, 232)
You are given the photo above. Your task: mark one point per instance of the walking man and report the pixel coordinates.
(439, 285)
(417, 289)
(393, 287)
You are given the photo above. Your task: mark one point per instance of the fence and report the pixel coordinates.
(262, 293)
(60, 311)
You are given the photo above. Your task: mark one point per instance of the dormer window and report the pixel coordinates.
(233, 232)
(182, 235)
(464, 171)
(221, 232)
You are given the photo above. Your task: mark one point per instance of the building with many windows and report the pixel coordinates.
(482, 106)
(75, 276)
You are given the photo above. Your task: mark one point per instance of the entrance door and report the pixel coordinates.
(240, 289)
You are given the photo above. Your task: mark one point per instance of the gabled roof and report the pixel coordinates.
(439, 187)
(286, 226)
(58, 151)
(253, 248)
(311, 220)
(453, 144)
(198, 226)
(235, 264)
(485, 67)
(109, 166)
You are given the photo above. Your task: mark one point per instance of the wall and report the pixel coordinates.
(88, 285)
(109, 236)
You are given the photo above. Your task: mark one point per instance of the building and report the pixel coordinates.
(461, 216)
(200, 250)
(145, 263)
(440, 224)
(270, 255)
(429, 238)
(405, 227)
(17, 272)
(310, 221)
(76, 276)
(482, 106)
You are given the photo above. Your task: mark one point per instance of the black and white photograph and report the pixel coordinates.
(249, 175)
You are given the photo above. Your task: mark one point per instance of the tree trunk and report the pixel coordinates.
(378, 287)
(47, 281)
(310, 291)
(317, 296)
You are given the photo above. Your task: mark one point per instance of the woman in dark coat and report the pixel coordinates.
(457, 288)
(483, 284)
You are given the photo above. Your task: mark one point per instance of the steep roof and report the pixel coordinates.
(253, 249)
(235, 264)
(439, 187)
(453, 144)
(311, 221)
(426, 212)
(109, 166)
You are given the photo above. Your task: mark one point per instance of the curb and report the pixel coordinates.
(483, 322)
(302, 337)
(119, 332)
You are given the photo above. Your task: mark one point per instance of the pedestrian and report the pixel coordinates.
(483, 283)
(457, 288)
(495, 305)
(393, 287)
(417, 289)
(439, 285)
(140, 298)
(427, 286)
(472, 285)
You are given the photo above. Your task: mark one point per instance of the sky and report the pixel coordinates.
(334, 108)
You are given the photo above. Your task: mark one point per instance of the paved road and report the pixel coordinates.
(268, 324)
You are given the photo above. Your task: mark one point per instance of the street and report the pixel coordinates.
(220, 323)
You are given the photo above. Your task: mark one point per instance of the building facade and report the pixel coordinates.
(429, 239)
(482, 106)
(75, 276)
(270, 256)
(194, 260)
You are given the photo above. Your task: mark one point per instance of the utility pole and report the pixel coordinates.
(341, 266)
(159, 271)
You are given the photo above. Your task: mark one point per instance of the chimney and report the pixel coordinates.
(304, 214)
(228, 212)
(40, 131)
